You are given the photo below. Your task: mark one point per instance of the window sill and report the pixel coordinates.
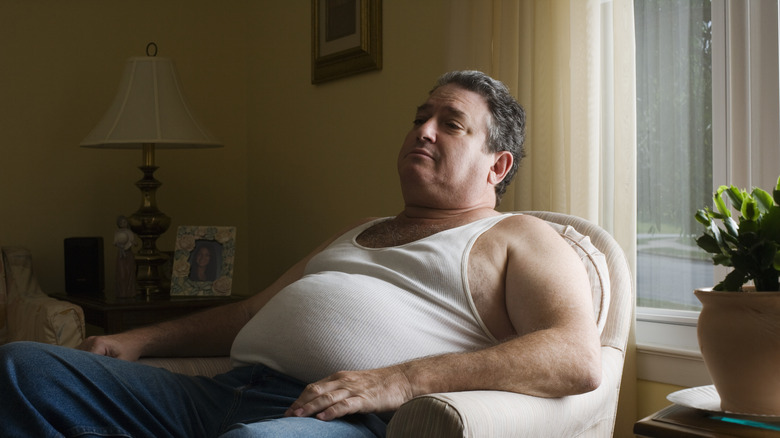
(667, 348)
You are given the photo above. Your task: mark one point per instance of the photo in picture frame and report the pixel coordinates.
(203, 261)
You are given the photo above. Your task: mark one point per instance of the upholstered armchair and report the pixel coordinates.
(26, 312)
(503, 414)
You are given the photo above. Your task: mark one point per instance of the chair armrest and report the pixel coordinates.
(193, 366)
(497, 413)
(47, 320)
(31, 314)
(478, 413)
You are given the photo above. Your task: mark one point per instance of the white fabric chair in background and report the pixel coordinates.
(29, 314)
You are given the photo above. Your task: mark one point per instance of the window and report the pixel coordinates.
(687, 143)
(674, 149)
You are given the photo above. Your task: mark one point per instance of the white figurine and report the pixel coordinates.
(125, 260)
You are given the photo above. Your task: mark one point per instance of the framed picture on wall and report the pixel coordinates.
(203, 261)
(346, 38)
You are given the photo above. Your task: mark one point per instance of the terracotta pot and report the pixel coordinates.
(739, 336)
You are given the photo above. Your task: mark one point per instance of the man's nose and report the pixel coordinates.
(427, 131)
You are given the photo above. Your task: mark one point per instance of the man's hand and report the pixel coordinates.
(110, 346)
(350, 392)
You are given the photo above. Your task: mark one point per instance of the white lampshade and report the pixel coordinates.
(149, 108)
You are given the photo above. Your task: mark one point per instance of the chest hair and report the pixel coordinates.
(391, 233)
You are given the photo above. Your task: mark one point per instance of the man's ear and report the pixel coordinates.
(501, 167)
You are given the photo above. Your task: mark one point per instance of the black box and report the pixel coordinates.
(84, 273)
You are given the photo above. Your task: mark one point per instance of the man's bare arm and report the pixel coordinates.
(207, 333)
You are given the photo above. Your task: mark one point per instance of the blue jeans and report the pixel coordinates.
(49, 391)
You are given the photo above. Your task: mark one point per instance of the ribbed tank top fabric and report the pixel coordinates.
(362, 308)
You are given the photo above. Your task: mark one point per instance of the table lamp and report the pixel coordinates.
(148, 112)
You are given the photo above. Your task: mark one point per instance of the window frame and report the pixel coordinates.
(746, 151)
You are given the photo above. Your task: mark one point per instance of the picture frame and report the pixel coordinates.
(346, 38)
(203, 261)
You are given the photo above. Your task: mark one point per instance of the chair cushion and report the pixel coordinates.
(595, 264)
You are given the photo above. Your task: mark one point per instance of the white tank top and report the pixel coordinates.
(363, 308)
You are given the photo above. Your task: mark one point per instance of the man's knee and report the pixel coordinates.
(19, 359)
(22, 353)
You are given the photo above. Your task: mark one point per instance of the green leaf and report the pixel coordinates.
(776, 192)
(731, 226)
(728, 240)
(715, 233)
(716, 215)
(733, 282)
(703, 217)
(763, 199)
(736, 196)
(748, 241)
(770, 224)
(708, 243)
(750, 210)
(747, 226)
(722, 259)
(744, 262)
(720, 203)
(765, 255)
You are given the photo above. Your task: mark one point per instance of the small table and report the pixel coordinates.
(115, 315)
(680, 421)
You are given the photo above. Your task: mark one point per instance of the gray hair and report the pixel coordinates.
(506, 127)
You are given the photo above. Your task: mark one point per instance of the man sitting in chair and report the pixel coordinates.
(449, 295)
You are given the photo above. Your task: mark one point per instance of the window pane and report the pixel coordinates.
(674, 149)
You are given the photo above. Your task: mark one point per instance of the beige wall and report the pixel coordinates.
(323, 156)
(652, 396)
(300, 161)
(60, 64)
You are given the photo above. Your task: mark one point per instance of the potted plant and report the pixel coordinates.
(739, 325)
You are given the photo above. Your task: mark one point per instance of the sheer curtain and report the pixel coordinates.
(571, 64)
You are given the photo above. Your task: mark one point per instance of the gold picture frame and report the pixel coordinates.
(215, 276)
(346, 38)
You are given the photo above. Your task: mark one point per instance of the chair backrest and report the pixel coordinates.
(615, 305)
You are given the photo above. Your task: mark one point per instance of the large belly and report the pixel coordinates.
(332, 321)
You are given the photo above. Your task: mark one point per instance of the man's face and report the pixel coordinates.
(444, 153)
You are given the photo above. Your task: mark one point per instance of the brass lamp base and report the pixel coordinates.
(148, 223)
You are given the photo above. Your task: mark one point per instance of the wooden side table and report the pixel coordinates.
(680, 421)
(115, 315)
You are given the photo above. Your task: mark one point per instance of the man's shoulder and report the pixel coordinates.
(522, 225)
(524, 231)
